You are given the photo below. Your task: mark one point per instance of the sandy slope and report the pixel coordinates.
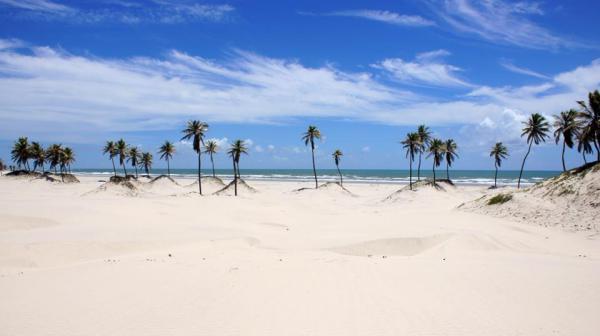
(282, 262)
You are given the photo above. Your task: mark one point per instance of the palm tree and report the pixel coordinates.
(425, 139)
(54, 156)
(211, 147)
(67, 157)
(567, 126)
(337, 155)
(591, 118)
(2, 167)
(20, 152)
(450, 148)
(436, 149)
(236, 149)
(309, 138)
(111, 150)
(146, 162)
(499, 152)
(121, 151)
(37, 153)
(412, 144)
(195, 129)
(133, 156)
(584, 140)
(166, 152)
(536, 128)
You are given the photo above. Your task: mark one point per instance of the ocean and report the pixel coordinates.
(399, 176)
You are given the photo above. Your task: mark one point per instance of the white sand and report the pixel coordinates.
(283, 262)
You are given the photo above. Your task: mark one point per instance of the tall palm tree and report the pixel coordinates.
(195, 130)
(567, 126)
(499, 152)
(236, 149)
(309, 138)
(67, 157)
(54, 156)
(584, 141)
(536, 128)
(133, 156)
(166, 152)
(121, 150)
(450, 153)
(111, 149)
(591, 118)
(412, 144)
(38, 155)
(211, 147)
(337, 155)
(436, 150)
(425, 139)
(146, 162)
(20, 152)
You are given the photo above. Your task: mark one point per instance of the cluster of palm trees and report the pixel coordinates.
(421, 141)
(56, 156)
(127, 153)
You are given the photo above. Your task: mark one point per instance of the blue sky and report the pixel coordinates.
(82, 72)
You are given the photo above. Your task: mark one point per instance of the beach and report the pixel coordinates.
(283, 259)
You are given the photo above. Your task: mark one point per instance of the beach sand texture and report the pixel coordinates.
(105, 259)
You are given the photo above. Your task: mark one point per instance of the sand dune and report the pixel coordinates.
(278, 262)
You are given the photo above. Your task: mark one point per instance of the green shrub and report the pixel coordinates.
(499, 199)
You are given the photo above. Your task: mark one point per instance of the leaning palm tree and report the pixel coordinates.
(412, 144)
(54, 156)
(309, 138)
(591, 119)
(20, 152)
(121, 150)
(584, 141)
(567, 126)
(337, 155)
(236, 149)
(211, 147)
(195, 130)
(450, 149)
(536, 128)
(499, 152)
(133, 156)
(425, 139)
(67, 157)
(38, 155)
(146, 162)
(166, 152)
(436, 150)
(111, 149)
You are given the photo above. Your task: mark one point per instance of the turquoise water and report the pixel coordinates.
(483, 177)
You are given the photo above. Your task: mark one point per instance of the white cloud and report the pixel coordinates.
(427, 68)
(366, 149)
(249, 142)
(387, 17)
(38, 5)
(524, 71)
(270, 148)
(259, 149)
(499, 22)
(221, 142)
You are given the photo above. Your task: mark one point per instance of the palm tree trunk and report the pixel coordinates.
(339, 172)
(136, 171)
(312, 144)
(434, 172)
(43, 169)
(213, 164)
(447, 174)
(234, 177)
(419, 168)
(124, 167)
(114, 168)
(597, 149)
(199, 173)
(146, 169)
(168, 168)
(495, 175)
(523, 165)
(410, 173)
(584, 159)
(563, 157)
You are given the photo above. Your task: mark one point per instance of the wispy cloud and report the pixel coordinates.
(127, 12)
(427, 69)
(499, 22)
(520, 70)
(383, 16)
